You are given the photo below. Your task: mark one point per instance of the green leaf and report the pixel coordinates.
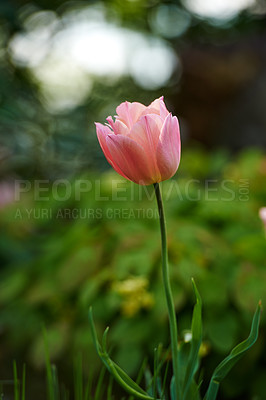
(23, 382)
(49, 370)
(148, 381)
(193, 393)
(16, 381)
(99, 386)
(196, 330)
(227, 364)
(164, 381)
(172, 388)
(140, 374)
(155, 383)
(133, 385)
(121, 376)
(78, 378)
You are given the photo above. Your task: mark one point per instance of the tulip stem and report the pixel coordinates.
(168, 292)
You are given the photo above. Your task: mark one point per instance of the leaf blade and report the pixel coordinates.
(196, 330)
(227, 364)
(118, 373)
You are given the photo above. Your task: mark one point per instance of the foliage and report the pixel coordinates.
(55, 390)
(187, 359)
(57, 263)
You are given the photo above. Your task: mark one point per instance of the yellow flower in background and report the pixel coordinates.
(135, 295)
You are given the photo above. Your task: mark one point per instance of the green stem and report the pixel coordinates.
(168, 292)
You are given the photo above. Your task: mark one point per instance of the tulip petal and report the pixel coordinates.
(118, 126)
(130, 158)
(169, 147)
(158, 107)
(102, 133)
(129, 113)
(110, 121)
(146, 131)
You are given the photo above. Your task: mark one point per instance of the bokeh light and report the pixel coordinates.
(63, 54)
(169, 20)
(218, 9)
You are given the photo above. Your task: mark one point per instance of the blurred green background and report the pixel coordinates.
(73, 233)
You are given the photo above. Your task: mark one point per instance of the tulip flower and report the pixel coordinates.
(143, 143)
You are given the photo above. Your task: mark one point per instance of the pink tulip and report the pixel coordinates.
(143, 143)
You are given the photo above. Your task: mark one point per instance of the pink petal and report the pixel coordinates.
(110, 121)
(158, 107)
(129, 113)
(130, 158)
(102, 133)
(118, 126)
(169, 147)
(146, 132)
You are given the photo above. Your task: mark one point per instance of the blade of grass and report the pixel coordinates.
(140, 374)
(98, 391)
(155, 370)
(196, 330)
(49, 374)
(227, 364)
(173, 388)
(164, 380)
(157, 376)
(78, 378)
(88, 395)
(55, 383)
(121, 376)
(16, 382)
(23, 390)
(148, 381)
(110, 388)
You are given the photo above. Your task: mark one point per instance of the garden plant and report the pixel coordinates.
(143, 145)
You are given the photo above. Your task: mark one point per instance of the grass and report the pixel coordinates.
(88, 390)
